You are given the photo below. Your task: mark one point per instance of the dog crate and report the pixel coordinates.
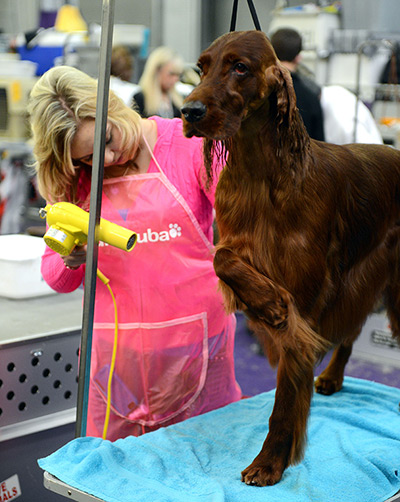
(39, 346)
(38, 379)
(375, 342)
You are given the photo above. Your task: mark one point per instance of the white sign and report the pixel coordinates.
(10, 489)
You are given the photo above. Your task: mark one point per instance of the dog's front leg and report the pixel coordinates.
(272, 308)
(286, 438)
(265, 300)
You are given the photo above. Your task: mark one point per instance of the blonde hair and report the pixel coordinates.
(149, 82)
(59, 101)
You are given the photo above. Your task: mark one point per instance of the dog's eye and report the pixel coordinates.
(200, 67)
(240, 68)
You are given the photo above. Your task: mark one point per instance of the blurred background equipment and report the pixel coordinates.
(350, 49)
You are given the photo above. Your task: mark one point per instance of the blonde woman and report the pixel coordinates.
(175, 345)
(158, 94)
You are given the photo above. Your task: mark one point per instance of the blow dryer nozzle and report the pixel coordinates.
(42, 212)
(131, 242)
(68, 227)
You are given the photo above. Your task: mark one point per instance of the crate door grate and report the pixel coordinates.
(38, 377)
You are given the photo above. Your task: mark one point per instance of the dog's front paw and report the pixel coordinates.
(327, 386)
(275, 316)
(261, 474)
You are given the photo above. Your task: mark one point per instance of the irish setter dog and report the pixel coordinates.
(309, 231)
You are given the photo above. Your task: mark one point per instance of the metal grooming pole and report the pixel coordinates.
(107, 25)
(361, 47)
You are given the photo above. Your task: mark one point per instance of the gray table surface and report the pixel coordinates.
(34, 317)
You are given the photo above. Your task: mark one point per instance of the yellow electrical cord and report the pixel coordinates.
(106, 281)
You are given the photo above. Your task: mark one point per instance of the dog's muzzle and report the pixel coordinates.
(193, 111)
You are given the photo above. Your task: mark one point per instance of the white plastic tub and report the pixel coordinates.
(20, 276)
(18, 68)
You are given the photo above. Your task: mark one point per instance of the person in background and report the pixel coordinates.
(174, 356)
(121, 72)
(341, 125)
(190, 79)
(287, 44)
(158, 95)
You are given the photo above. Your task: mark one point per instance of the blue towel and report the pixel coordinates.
(353, 454)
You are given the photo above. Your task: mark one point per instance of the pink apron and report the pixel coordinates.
(175, 342)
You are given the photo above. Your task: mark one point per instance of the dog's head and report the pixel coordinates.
(238, 72)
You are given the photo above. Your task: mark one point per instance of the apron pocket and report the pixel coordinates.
(160, 368)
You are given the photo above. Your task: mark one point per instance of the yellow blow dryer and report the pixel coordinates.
(69, 225)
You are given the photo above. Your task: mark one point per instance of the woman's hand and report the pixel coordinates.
(76, 258)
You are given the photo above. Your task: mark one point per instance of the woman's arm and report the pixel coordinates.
(57, 275)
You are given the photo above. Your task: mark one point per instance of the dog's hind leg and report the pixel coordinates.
(331, 379)
(391, 296)
(392, 300)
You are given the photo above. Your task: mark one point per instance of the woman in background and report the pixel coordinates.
(175, 342)
(158, 94)
(121, 73)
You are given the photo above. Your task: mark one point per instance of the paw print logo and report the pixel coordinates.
(174, 230)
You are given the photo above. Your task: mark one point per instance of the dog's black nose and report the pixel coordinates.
(193, 111)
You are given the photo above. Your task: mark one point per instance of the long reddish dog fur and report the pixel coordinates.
(309, 231)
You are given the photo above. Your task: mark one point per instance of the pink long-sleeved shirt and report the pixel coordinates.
(181, 160)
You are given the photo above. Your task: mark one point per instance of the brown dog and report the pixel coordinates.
(309, 231)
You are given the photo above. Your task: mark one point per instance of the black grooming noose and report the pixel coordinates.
(253, 15)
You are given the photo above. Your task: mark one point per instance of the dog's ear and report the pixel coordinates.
(278, 79)
(292, 137)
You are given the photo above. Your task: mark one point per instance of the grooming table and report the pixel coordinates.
(353, 455)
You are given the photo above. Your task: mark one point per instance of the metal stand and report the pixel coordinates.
(95, 210)
(50, 482)
(57, 486)
(386, 43)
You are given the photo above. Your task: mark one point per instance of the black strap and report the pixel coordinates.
(252, 11)
(234, 15)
